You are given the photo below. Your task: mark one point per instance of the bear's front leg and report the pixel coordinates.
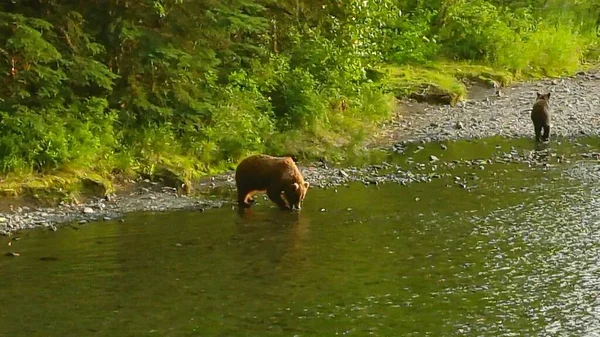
(274, 193)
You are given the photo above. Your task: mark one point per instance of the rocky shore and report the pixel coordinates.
(574, 105)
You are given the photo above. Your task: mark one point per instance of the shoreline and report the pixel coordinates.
(485, 114)
(573, 103)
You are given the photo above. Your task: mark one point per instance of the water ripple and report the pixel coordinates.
(547, 255)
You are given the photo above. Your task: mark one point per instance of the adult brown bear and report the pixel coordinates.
(275, 175)
(540, 116)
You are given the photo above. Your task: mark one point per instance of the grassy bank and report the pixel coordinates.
(447, 82)
(443, 82)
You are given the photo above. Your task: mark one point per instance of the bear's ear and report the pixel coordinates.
(548, 96)
(306, 184)
(539, 95)
(295, 186)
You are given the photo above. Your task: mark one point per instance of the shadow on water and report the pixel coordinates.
(515, 255)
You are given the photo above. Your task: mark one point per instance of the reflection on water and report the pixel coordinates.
(516, 255)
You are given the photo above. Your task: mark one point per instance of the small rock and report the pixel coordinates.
(12, 254)
(88, 210)
(433, 158)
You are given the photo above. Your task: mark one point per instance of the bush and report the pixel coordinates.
(549, 49)
(475, 30)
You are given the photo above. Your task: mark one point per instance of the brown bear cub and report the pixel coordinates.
(540, 116)
(275, 175)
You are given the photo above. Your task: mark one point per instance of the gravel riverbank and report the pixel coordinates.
(574, 106)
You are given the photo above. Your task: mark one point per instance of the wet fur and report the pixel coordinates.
(278, 176)
(540, 116)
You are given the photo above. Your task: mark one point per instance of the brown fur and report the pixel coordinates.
(540, 116)
(275, 175)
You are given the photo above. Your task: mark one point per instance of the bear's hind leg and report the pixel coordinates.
(538, 132)
(243, 195)
(546, 135)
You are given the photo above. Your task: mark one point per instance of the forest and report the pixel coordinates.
(126, 87)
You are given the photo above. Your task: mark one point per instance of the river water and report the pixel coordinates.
(515, 252)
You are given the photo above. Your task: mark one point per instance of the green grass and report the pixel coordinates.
(442, 78)
(448, 78)
(67, 185)
(407, 80)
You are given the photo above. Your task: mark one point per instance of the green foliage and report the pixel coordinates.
(534, 37)
(475, 30)
(194, 85)
(53, 109)
(550, 50)
(411, 38)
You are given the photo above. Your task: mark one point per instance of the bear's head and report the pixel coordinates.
(295, 193)
(545, 97)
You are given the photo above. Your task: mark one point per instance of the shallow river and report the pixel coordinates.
(516, 253)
